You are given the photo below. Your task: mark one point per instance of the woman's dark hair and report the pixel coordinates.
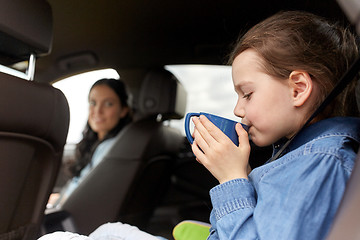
(296, 40)
(86, 147)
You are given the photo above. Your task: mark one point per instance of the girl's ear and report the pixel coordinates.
(301, 86)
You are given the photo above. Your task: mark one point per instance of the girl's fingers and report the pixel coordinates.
(211, 133)
(243, 137)
(223, 159)
(201, 134)
(197, 151)
(200, 142)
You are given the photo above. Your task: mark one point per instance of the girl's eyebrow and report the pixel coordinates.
(237, 88)
(240, 86)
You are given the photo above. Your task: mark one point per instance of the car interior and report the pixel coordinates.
(136, 176)
(151, 176)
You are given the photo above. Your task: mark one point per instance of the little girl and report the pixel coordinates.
(282, 70)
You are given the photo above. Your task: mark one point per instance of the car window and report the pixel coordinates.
(209, 89)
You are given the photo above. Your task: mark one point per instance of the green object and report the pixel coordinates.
(191, 230)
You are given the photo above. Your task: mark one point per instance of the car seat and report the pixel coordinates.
(131, 180)
(33, 128)
(33, 124)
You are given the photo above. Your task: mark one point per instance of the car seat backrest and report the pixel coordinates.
(34, 120)
(33, 128)
(132, 178)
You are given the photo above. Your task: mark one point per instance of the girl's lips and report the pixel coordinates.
(246, 127)
(249, 129)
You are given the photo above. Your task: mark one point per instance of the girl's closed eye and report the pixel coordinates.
(247, 95)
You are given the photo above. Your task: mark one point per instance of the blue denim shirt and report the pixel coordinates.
(295, 196)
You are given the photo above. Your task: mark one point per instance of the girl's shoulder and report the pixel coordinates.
(330, 149)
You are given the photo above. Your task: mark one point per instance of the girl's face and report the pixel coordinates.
(105, 110)
(264, 102)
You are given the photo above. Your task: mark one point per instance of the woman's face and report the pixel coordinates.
(105, 110)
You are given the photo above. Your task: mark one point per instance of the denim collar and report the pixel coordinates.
(347, 126)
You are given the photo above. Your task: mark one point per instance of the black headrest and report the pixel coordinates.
(162, 93)
(26, 27)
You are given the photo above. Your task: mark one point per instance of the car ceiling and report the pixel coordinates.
(135, 35)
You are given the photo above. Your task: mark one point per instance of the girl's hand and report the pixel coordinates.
(218, 153)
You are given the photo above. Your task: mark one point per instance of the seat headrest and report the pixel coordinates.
(26, 27)
(162, 93)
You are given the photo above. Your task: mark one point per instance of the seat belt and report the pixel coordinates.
(345, 80)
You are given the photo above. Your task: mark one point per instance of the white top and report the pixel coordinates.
(108, 231)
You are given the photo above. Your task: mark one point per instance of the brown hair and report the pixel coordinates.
(296, 40)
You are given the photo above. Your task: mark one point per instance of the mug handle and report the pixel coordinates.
(187, 125)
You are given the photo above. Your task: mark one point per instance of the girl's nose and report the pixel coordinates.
(239, 110)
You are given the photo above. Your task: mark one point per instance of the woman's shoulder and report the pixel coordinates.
(102, 149)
